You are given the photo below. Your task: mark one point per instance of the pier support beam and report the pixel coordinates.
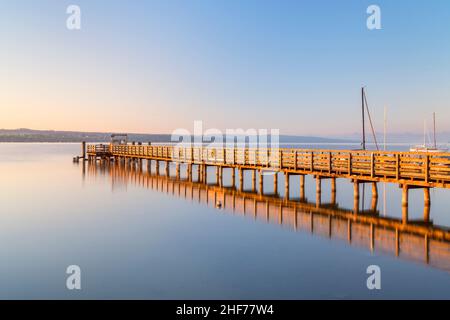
(149, 166)
(233, 177)
(275, 183)
(318, 191)
(241, 179)
(253, 180)
(261, 182)
(333, 191)
(302, 187)
(286, 185)
(217, 175)
(426, 197)
(167, 169)
(374, 196)
(189, 172)
(427, 204)
(204, 173)
(157, 167)
(220, 176)
(405, 194)
(178, 170)
(355, 196)
(83, 150)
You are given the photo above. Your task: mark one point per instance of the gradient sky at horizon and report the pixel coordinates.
(154, 66)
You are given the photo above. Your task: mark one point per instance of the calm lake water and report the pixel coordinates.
(140, 236)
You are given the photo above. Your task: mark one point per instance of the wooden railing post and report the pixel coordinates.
(349, 163)
(397, 167)
(295, 160)
(329, 162)
(372, 165)
(427, 168)
(281, 159)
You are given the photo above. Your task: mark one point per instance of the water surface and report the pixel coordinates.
(135, 235)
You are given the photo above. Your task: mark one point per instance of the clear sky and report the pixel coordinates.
(154, 66)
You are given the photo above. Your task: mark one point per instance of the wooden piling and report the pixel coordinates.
(261, 182)
(302, 187)
(286, 185)
(355, 196)
(318, 191)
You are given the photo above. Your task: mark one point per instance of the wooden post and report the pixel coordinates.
(427, 204)
(178, 170)
(405, 191)
(426, 213)
(167, 169)
(302, 187)
(233, 177)
(374, 196)
(241, 179)
(253, 180)
(157, 167)
(189, 172)
(220, 176)
(356, 196)
(275, 183)
(318, 191)
(217, 174)
(426, 196)
(286, 185)
(149, 166)
(261, 182)
(83, 150)
(333, 191)
(205, 173)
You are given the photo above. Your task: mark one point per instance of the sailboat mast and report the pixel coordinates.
(434, 129)
(363, 120)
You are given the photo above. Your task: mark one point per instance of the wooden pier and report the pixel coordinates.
(407, 169)
(419, 241)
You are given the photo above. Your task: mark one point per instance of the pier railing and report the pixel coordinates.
(418, 168)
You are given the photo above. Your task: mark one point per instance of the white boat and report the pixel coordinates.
(427, 148)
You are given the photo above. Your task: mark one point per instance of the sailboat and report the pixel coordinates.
(427, 148)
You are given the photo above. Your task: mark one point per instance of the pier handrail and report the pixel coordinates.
(415, 168)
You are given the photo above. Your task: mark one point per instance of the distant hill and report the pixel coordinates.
(29, 135)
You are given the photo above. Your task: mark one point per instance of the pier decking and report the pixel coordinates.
(407, 169)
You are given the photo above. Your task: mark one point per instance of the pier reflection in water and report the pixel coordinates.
(411, 240)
